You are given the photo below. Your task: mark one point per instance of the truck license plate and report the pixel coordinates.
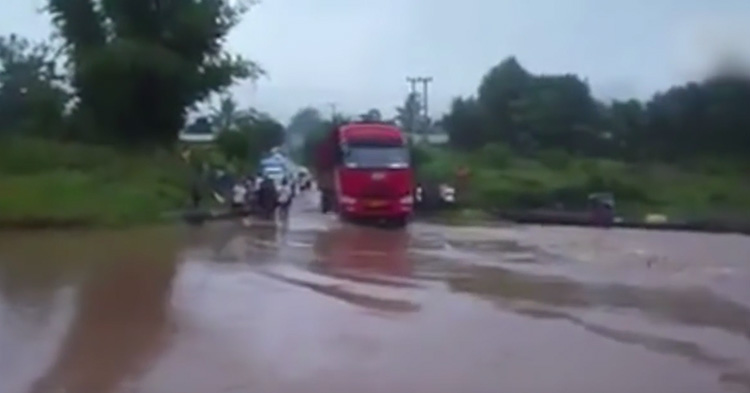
(375, 203)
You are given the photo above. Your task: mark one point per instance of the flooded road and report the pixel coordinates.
(323, 307)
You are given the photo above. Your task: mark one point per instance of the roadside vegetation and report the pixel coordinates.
(89, 126)
(89, 121)
(51, 184)
(544, 142)
(501, 180)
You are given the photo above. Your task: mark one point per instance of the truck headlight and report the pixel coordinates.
(347, 200)
(407, 200)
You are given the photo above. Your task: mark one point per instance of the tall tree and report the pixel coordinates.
(501, 88)
(137, 66)
(556, 112)
(31, 96)
(305, 121)
(465, 124)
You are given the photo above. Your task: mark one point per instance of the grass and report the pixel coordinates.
(46, 184)
(500, 179)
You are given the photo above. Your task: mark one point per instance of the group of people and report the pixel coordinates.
(264, 195)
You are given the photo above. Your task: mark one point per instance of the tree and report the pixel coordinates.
(555, 112)
(249, 136)
(313, 138)
(407, 116)
(531, 113)
(305, 121)
(627, 122)
(137, 66)
(372, 115)
(31, 97)
(265, 133)
(500, 90)
(465, 124)
(226, 115)
(527, 112)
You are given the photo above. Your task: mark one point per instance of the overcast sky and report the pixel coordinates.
(357, 53)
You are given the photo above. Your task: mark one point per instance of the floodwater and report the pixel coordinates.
(317, 306)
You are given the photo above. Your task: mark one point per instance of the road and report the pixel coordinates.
(318, 306)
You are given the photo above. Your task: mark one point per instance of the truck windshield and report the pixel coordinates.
(376, 157)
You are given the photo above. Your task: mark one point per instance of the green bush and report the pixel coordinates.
(496, 156)
(51, 183)
(555, 159)
(556, 178)
(21, 155)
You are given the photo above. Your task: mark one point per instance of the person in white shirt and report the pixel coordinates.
(285, 198)
(238, 195)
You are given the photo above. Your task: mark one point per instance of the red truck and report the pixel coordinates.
(363, 171)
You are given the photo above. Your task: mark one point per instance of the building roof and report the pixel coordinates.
(197, 138)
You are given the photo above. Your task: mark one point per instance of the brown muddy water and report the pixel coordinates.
(323, 307)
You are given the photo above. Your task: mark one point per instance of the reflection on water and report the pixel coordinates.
(122, 288)
(359, 255)
(360, 250)
(556, 298)
(694, 307)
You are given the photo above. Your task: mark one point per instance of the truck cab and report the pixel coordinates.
(372, 176)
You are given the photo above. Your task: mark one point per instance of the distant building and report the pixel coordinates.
(198, 132)
(435, 135)
(197, 138)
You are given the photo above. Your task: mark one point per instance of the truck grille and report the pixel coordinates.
(378, 191)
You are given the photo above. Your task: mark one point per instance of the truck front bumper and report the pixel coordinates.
(376, 208)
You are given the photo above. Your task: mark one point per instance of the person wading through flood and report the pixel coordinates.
(286, 195)
(267, 198)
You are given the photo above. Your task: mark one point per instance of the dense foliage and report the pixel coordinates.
(532, 113)
(31, 97)
(243, 135)
(123, 73)
(137, 66)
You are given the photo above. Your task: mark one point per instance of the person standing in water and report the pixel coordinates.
(285, 199)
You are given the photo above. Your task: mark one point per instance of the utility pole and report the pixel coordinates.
(413, 84)
(425, 82)
(334, 112)
(412, 93)
(424, 101)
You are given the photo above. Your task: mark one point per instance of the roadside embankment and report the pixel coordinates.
(49, 184)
